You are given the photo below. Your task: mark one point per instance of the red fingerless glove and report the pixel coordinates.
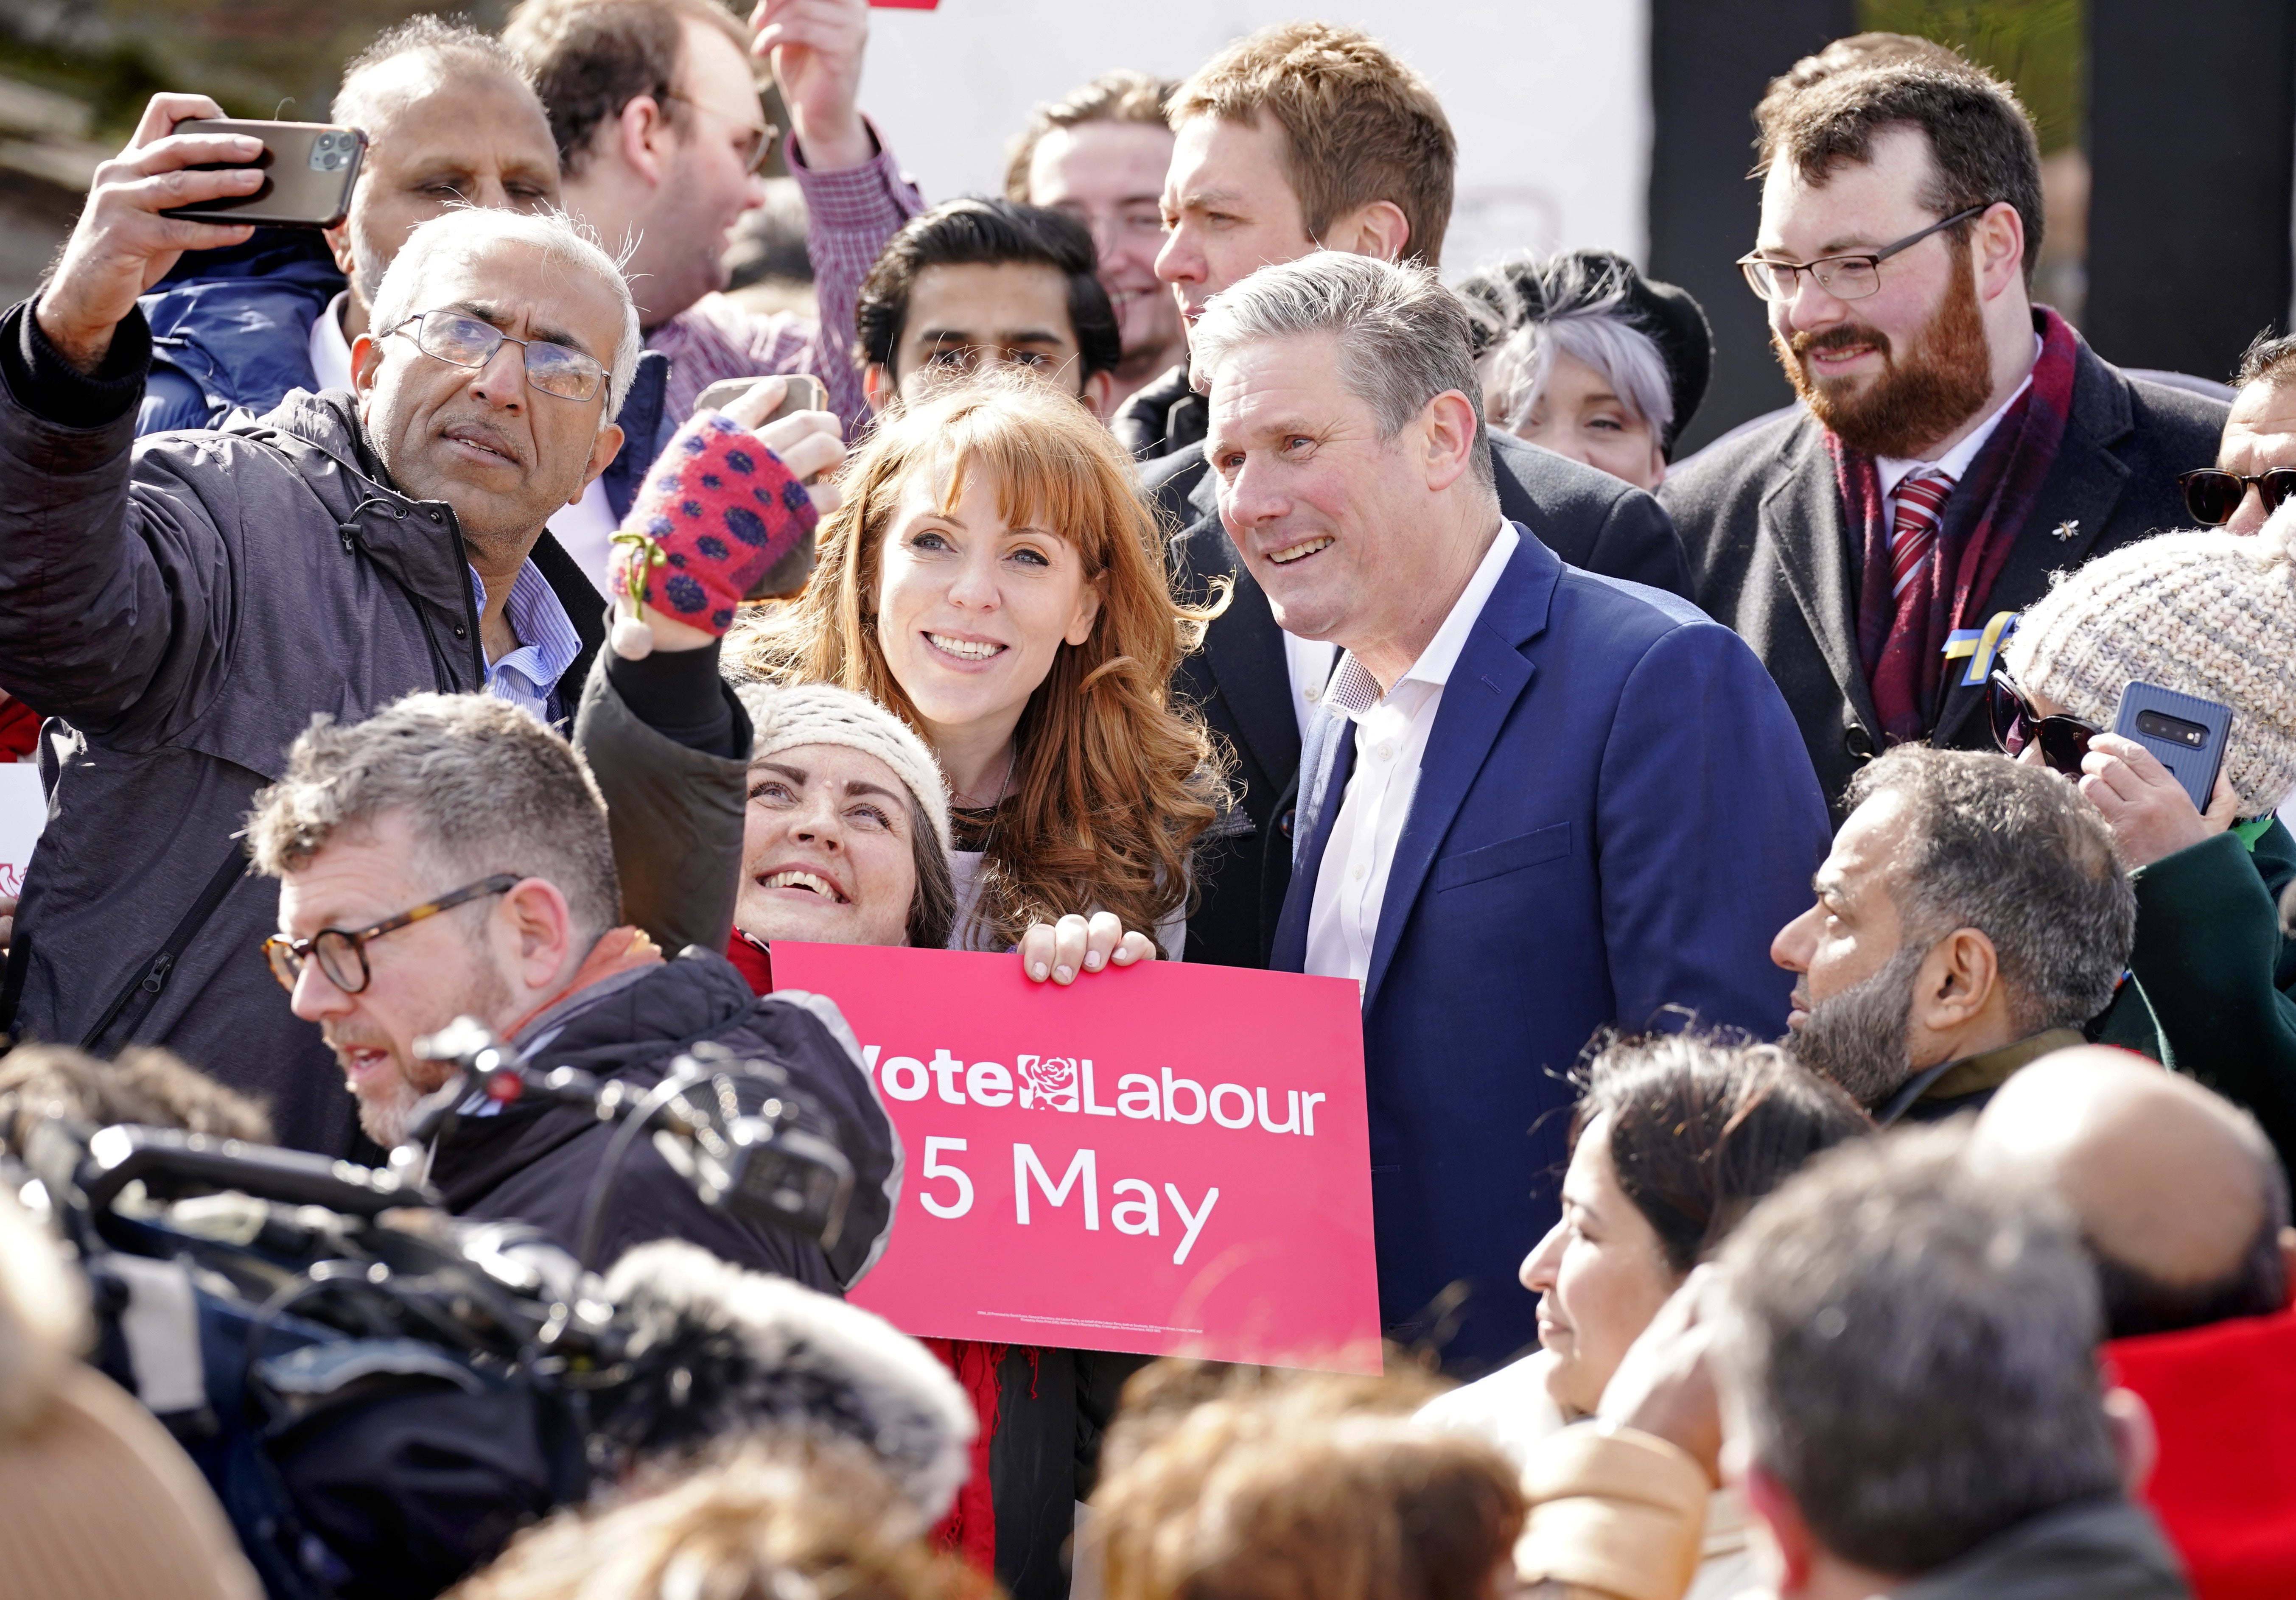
(718, 511)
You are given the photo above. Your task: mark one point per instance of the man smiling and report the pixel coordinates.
(187, 607)
(1957, 443)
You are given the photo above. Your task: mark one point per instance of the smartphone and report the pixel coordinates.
(309, 169)
(786, 578)
(2185, 733)
(805, 392)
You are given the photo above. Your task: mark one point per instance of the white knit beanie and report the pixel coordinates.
(2204, 613)
(787, 716)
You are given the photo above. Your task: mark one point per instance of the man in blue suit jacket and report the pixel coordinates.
(1538, 802)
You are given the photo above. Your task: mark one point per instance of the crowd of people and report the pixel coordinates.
(1830, 1088)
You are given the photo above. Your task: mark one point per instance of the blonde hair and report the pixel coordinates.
(1304, 1493)
(776, 1521)
(1112, 785)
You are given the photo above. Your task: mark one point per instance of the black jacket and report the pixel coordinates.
(185, 604)
(1162, 418)
(1241, 681)
(1772, 554)
(536, 1162)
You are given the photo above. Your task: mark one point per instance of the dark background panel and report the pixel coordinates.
(1710, 63)
(2192, 142)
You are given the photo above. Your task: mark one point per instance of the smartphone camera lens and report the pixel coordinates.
(331, 151)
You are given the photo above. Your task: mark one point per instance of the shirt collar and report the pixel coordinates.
(1356, 692)
(548, 641)
(1974, 1074)
(331, 352)
(1955, 463)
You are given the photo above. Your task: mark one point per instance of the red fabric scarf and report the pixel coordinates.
(1905, 666)
(2222, 1399)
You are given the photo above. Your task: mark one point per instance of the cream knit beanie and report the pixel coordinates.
(787, 716)
(2209, 614)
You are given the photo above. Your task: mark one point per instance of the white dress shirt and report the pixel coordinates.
(585, 528)
(1390, 738)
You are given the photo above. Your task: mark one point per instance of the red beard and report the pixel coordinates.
(1945, 378)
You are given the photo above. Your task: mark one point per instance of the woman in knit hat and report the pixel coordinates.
(1582, 354)
(845, 840)
(2212, 615)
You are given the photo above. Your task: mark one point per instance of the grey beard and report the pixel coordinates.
(1858, 1037)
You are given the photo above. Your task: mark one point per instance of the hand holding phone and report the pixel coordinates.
(800, 430)
(2185, 734)
(307, 169)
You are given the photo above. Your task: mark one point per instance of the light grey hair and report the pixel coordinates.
(1598, 335)
(1403, 337)
(484, 787)
(451, 46)
(2016, 853)
(466, 233)
(1909, 1350)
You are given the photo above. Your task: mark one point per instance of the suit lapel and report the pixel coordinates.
(1244, 649)
(2084, 485)
(1486, 682)
(1804, 529)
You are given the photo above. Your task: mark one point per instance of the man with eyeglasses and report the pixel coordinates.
(1957, 443)
(182, 610)
(662, 138)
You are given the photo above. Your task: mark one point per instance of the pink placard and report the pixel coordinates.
(1170, 1159)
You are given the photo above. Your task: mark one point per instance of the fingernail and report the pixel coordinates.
(1065, 975)
(1092, 961)
(1037, 972)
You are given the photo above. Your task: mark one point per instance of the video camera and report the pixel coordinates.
(255, 1298)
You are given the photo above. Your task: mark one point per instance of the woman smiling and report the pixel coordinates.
(995, 579)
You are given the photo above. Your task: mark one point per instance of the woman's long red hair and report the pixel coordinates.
(1113, 784)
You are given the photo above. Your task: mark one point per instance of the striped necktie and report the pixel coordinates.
(1913, 532)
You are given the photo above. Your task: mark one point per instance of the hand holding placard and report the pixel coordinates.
(1178, 1161)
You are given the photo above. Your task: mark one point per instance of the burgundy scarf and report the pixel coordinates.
(1901, 640)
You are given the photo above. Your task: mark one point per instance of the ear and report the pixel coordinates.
(2135, 1440)
(1797, 1550)
(1997, 242)
(642, 138)
(1377, 229)
(1960, 976)
(1449, 422)
(877, 387)
(1097, 389)
(1088, 612)
(339, 245)
(603, 451)
(366, 368)
(535, 932)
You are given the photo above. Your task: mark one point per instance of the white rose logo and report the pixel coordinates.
(1048, 1082)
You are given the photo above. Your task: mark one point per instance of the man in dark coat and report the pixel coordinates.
(182, 608)
(1958, 443)
(1299, 136)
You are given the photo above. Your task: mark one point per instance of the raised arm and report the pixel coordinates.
(99, 577)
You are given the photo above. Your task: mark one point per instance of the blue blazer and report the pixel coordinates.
(1615, 813)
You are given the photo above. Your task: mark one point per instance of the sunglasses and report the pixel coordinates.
(2064, 740)
(2213, 496)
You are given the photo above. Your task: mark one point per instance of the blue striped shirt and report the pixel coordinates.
(547, 642)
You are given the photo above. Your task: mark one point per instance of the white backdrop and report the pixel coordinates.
(1550, 98)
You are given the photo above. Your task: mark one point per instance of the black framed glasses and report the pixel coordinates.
(1844, 277)
(2213, 496)
(2064, 740)
(341, 952)
(554, 369)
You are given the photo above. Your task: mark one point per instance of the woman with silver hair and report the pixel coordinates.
(1581, 355)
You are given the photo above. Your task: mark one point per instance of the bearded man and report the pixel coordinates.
(1972, 917)
(1957, 443)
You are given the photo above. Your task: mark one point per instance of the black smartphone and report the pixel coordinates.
(309, 168)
